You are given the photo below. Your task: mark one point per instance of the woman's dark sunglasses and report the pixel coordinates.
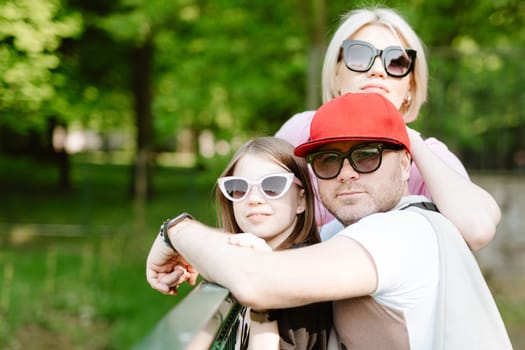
(236, 188)
(359, 56)
(364, 158)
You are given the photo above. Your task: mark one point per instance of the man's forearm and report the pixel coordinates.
(200, 245)
(207, 250)
(332, 270)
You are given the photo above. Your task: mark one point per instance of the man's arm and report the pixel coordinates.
(337, 269)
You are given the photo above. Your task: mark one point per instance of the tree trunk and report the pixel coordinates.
(57, 132)
(314, 17)
(142, 92)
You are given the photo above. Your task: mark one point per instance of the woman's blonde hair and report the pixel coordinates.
(357, 19)
(280, 152)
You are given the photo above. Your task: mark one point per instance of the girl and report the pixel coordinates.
(265, 195)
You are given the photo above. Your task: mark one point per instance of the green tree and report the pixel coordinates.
(31, 32)
(475, 51)
(241, 68)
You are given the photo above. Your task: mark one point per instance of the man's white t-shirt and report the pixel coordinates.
(404, 249)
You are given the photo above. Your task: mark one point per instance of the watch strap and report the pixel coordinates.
(169, 223)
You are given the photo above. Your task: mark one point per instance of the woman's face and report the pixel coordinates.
(270, 219)
(376, 79)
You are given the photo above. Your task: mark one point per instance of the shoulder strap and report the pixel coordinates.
(462, 287)
(423, 205)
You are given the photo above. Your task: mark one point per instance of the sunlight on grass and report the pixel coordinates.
(72, 264)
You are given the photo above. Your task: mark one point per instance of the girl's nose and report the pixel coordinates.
(254, 195)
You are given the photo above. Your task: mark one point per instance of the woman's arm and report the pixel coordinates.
(296, 130)
(472, 209)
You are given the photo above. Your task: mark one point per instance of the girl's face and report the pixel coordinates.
(376, 79)
(270, 219)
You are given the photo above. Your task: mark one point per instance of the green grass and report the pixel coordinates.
(72, 264)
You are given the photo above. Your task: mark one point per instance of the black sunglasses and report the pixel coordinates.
(364, 158)
(359, 56)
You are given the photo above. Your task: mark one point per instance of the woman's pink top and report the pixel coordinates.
(297, 131)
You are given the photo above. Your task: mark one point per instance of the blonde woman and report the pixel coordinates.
(376, 50)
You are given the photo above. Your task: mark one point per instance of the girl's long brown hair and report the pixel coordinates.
(281, 152)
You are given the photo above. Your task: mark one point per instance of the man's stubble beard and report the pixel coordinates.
(376, 200)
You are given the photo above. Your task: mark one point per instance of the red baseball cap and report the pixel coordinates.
(355, 116)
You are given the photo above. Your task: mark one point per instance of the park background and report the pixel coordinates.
(115, 115)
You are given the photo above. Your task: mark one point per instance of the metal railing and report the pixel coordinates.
(207, 318)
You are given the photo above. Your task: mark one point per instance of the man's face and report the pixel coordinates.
(351, 196)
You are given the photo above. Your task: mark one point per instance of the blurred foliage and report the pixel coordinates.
(239, 68)
(31, 32)
(72, 265)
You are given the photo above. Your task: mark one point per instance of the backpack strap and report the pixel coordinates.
(462, 287)
(423, 205)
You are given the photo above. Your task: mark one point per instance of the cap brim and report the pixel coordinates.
(312, 146)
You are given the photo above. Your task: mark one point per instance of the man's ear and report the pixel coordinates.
(405, 163)
(301, 202)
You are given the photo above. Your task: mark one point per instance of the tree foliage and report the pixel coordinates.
(475, 95)
(31, 32)
(241, 68)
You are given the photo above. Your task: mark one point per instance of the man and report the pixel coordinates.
(389, 272)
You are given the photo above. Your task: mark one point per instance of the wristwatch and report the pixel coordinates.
(169, 223)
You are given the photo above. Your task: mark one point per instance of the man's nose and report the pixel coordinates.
(347, 171)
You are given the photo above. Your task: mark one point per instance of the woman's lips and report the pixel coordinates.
(375, 88)
(257, 216)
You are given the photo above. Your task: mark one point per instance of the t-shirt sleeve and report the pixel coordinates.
(416, 185)
(296, 130)
(403, 246)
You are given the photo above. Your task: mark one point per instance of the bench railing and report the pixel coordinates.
(207, 318)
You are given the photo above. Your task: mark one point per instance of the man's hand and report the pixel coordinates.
(166, 269)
